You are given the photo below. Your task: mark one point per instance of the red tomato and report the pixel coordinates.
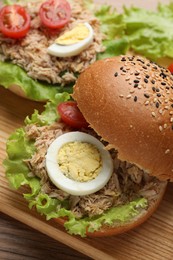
(55, 13)
(14, 21)
(170, 68)
(71, 114)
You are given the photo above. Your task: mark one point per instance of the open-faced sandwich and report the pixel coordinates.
(46, 44)
(99, 164)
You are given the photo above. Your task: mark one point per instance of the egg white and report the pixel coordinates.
(71, 186)
(59, 50)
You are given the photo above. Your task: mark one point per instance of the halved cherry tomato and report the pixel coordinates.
(71, 114)
(170, 68)
(55, 13)
(14, 21)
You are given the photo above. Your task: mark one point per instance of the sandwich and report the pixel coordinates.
(46, 44)
(99, 164)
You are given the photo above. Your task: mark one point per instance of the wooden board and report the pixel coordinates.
(152, 240)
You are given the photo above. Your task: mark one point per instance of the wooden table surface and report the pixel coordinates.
(17, 240)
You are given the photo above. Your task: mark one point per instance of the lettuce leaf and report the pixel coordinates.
(150, 33)
(11, 74)
(20, 148)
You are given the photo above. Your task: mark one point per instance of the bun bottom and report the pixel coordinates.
(106, 231)
(16, 89)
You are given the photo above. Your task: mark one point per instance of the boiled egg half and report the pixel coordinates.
(72, 42)
(78, 163)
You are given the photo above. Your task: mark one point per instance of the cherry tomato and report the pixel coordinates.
(71, 114)
(14, 21)
(170, 68)
(55, 13)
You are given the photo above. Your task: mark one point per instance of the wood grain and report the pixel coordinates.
(152, 240)
(20, 242)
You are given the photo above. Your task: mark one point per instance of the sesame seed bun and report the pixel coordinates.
(128, 101)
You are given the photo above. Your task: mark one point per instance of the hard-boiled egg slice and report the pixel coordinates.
(73, 42)
(68, 184)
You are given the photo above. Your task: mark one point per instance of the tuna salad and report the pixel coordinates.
(127, 183)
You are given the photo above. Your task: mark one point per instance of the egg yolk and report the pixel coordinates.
(77, 34)
(79, 161)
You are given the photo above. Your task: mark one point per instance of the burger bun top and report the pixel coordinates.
(128, 101)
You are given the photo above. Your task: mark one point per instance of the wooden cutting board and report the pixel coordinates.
(152, 241)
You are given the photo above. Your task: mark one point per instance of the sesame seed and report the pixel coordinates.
(147, 102)
(127, 78)
(153, 114)
(153, 81)
(163, 83)
(171, 119)
(167, 151)
(158, 94)
(136, 81)
(132, 91)
(135, 85)
(157, 104)
(124, 70)
(147, 76)
(145, 80)
(123, 59)
(166, 107)
(165, 126)
(139, 87)
(166, 100)
(171, 112)
(161, 111)
(154, 89)
(121, 96)
(160, 128)
(136, 73)
(157, 90)
(128, 96)
(155, 100)
(146, 95)
(116, 74)
(135, 98)
(121, 68)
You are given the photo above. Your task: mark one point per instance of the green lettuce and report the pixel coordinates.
(150, 33)
(19, 148)
(11, 74)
